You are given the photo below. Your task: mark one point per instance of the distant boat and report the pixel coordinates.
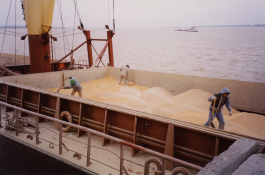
(192, 29)
(180, 29)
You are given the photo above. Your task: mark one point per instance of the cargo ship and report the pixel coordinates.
(103, 138)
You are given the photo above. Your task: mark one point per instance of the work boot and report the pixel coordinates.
(222, 126)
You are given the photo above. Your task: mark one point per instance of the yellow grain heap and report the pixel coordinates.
(190, 106)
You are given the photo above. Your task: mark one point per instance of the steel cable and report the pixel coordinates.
(74, 29)
(11, 32)
(63, 29)
(32, 134)
(15, 34)
(5, 29)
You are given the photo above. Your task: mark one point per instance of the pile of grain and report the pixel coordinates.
(191, 106)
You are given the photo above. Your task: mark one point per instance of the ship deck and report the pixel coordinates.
(104, 159)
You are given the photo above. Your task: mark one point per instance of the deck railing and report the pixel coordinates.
(122, 143)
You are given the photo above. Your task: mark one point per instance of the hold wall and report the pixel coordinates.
(55, 79)
(244, 95)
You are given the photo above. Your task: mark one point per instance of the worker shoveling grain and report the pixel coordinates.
(190, 106)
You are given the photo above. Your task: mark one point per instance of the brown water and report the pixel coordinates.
(231, 53)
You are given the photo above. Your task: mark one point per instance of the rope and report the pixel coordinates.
(108, 12)
(24, 52)
(134, 162)
(97, 30)
(12, 32)
(7, 34)
(69, 35)
(34, 135)
(81, 24)
(77, 152)
(101, 56)
(63, 29)
(23, 12)
(80, 141)
(15, 34)
(74, 28)
(113, 19)
(5, 29)
(70, 30)
(100, 60)
(94, 48)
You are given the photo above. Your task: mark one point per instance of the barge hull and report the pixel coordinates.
(193, 143)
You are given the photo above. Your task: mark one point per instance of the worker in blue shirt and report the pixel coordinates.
(216, 107)
(75, 85)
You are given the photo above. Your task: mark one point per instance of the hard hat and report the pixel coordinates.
(72, 81)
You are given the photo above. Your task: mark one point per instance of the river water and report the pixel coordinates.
(236, 53)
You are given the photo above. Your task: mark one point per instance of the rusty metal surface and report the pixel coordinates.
(23, 69)
(192, 143)
(110, 48)
(154, 160)
(71, 52)
(89, 47)
(169, 145)
(117, 120)
(39, 50)
(196, 141)
(100, 55)
(3, 68)
(178, 170)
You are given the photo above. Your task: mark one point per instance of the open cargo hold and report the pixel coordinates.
(189, 142)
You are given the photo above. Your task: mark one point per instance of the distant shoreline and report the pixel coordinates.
(256, 25)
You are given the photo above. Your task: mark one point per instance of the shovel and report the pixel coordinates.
(61, 86)
(130, 83)
(212, 125)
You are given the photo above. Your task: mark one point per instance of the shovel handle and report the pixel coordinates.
(212, 125)
(62, 85)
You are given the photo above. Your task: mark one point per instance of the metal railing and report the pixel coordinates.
(122, 143)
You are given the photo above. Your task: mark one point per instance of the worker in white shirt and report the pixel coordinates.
(124, 74)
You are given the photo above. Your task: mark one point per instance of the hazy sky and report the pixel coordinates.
(149, 13)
